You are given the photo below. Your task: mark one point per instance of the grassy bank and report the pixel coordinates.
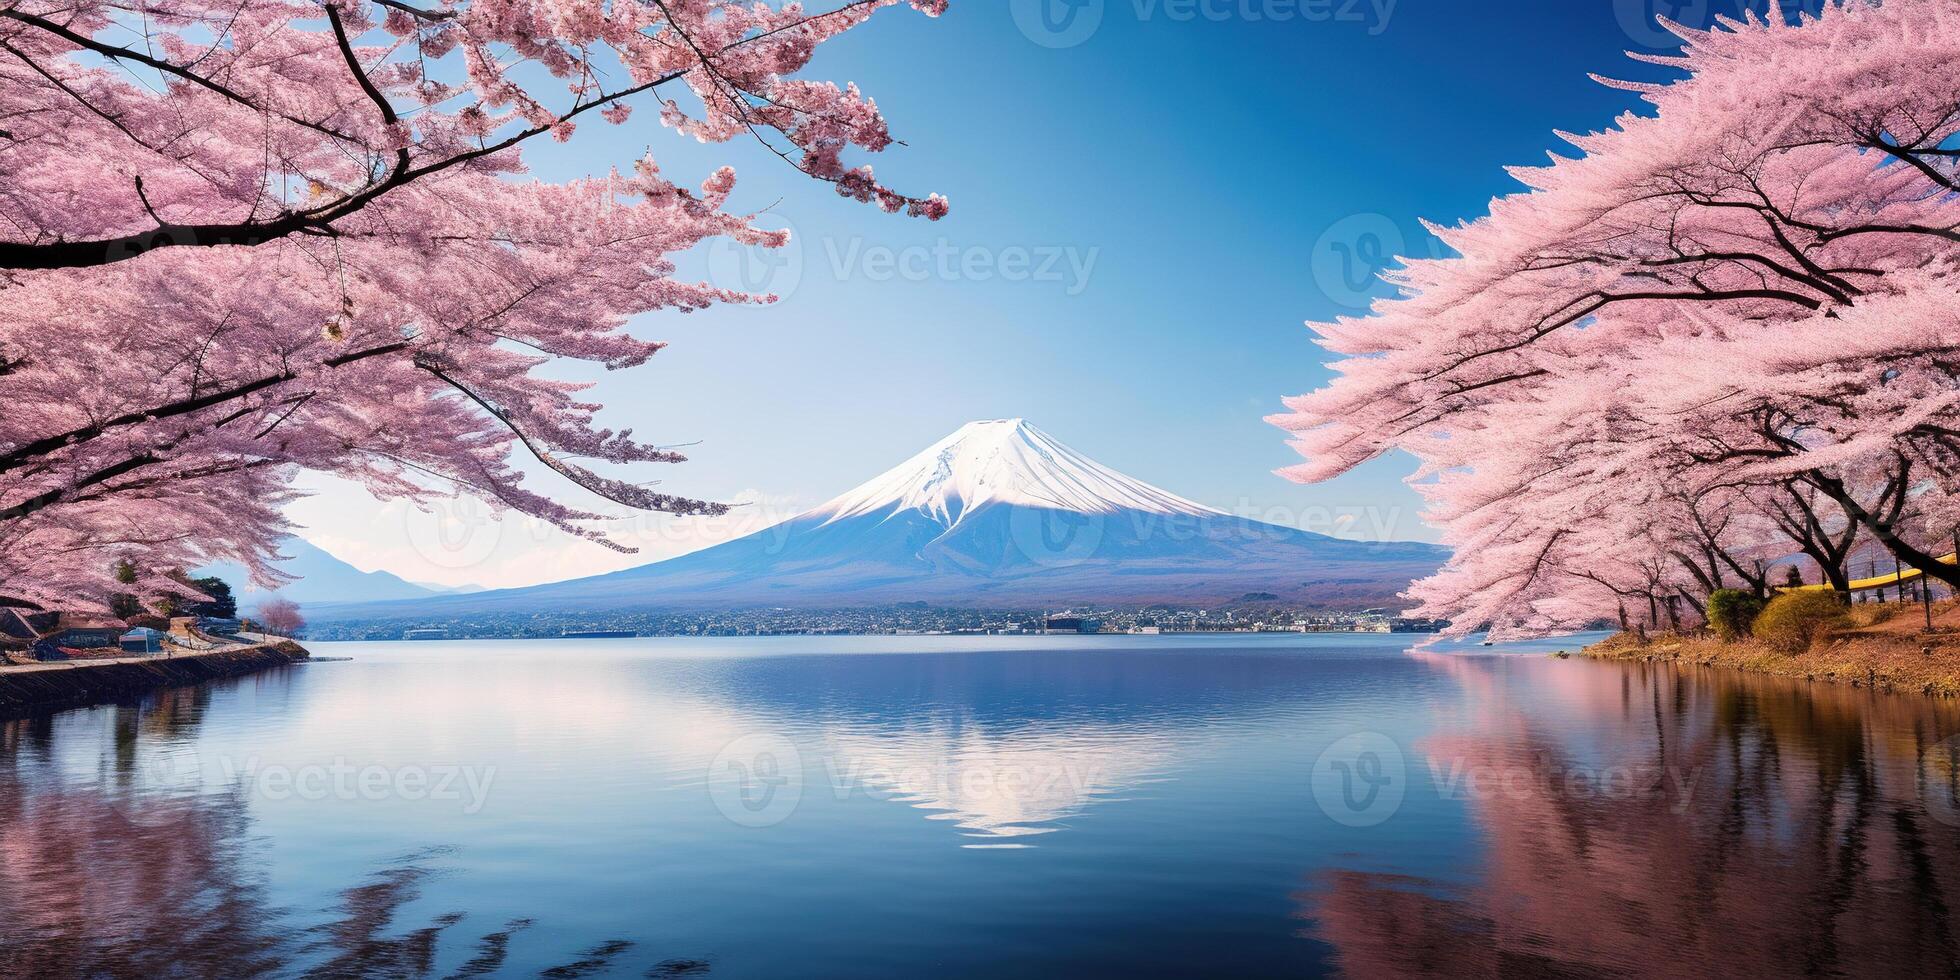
(1883, 645)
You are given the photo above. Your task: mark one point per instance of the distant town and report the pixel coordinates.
(901, 619)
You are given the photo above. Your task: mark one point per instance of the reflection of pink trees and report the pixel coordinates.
(1803, 845)
(100, 879)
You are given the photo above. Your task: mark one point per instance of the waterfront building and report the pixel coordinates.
(142, 639)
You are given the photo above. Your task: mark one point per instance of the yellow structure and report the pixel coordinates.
(1881, 581)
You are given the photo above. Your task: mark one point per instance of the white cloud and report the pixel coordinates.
(460, 542)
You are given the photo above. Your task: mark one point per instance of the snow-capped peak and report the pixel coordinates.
(1004, 461)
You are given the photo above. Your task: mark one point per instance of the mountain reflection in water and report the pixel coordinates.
(1819, 834)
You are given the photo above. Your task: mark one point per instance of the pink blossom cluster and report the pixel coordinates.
(1719, 342)
(240, 239)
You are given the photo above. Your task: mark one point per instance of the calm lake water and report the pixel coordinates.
(911, 806)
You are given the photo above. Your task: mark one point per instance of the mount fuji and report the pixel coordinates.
(997, 514)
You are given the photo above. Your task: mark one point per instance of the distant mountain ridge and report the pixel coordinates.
(997, 514)
(323, 579)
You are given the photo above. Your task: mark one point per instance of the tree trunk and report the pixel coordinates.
(1883, 526)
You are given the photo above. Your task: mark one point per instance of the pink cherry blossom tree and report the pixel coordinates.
(241, 239)
(1722, 336)
(280, 616)
(176, 123)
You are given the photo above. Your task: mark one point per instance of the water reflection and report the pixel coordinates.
(1805, 829)
(998, 786)
(1099, 807)
(1009, 746)
(100, 877)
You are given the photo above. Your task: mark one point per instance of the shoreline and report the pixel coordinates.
(28, 690)
(1888, 660)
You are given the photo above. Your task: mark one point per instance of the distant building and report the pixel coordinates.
(219, 625)
(426, 634)
(142, 639)
(48, 635)
(1402, 625)
(85, 631)
(1070, 624)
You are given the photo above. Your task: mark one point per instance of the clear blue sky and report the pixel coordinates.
(1220, 171)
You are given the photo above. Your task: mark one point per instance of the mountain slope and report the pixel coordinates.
(323, 579)
(998, 513)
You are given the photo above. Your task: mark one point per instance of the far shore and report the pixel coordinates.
(1892, 651)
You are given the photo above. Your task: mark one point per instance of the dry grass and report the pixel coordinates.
(1885, 646)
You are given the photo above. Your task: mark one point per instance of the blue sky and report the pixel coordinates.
(1144, 214)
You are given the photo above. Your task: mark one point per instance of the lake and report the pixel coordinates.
(1247, 805)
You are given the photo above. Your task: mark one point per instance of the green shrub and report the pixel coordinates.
(1793, 620)
(1731, 613)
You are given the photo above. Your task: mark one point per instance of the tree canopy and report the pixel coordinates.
(239, 238)
(1720, 337)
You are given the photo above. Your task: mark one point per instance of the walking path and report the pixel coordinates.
(242, 643)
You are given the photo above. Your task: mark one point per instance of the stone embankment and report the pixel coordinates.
(36, 688)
